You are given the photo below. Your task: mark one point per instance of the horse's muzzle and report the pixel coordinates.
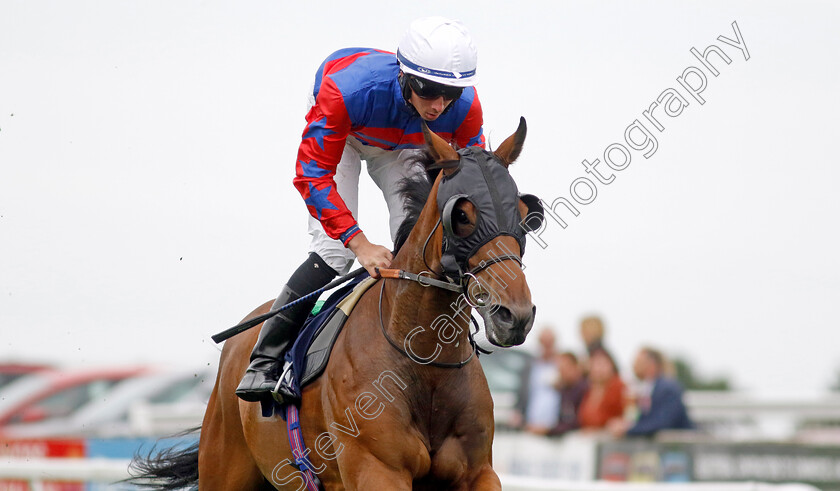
(509, 327)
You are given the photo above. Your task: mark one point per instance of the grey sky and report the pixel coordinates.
(147, 150)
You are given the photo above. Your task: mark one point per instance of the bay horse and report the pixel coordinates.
(402, 403)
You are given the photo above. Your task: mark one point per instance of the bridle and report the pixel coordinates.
(433, 363)
(457, 285)
(488, 185)
(425, 279)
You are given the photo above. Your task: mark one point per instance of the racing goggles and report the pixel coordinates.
(426, 89)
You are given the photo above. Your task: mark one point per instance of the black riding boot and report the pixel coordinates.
(278, 333)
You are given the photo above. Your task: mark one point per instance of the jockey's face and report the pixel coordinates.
(429, 108)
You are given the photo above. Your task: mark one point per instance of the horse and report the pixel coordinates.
(403, 402)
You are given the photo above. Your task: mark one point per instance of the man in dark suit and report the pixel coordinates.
(660, 401)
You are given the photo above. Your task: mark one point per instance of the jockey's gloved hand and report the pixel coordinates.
(370, 255)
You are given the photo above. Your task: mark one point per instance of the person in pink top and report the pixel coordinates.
(604, 400)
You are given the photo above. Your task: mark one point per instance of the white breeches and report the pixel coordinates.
(386, 168)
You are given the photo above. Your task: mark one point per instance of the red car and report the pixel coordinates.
(53, 393)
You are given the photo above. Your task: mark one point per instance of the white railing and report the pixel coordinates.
(571, 458)
(568, 462)
(520, 483)
(738, 416)
(164, 419)
(35, 471)
(729, 415)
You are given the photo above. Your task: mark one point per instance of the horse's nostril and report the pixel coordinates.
(503, 317)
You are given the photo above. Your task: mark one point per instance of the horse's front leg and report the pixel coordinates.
(363, 471)
(486, 480)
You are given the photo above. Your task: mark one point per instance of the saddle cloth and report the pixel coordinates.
(309, 355)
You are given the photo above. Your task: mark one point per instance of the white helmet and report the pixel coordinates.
(440, 50)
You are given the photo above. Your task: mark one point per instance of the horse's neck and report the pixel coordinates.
(427, 319)
(442, 316)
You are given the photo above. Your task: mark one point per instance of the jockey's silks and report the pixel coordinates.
(357, 93)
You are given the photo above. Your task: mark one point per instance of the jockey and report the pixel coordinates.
(366, 104)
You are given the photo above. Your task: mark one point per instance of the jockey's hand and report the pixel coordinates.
(370, 255)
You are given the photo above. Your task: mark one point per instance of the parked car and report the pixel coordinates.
(109, 415)
(9, 372)
(55, 394)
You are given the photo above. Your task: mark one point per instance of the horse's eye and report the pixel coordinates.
(461, 217)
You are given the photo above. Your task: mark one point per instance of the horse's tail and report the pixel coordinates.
(168, 468)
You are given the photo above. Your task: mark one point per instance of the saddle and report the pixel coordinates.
(308, 357)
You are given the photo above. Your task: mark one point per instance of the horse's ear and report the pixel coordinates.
(440, 150)
(509, 150)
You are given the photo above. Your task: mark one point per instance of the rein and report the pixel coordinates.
(404, 353)
(425, 279)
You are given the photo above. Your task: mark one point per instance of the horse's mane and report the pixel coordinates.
(415, 192)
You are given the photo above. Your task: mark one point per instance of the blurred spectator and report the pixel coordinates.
(604, 399)
(573, 387)
(541, 406)
(592, 333)
(659, 399)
